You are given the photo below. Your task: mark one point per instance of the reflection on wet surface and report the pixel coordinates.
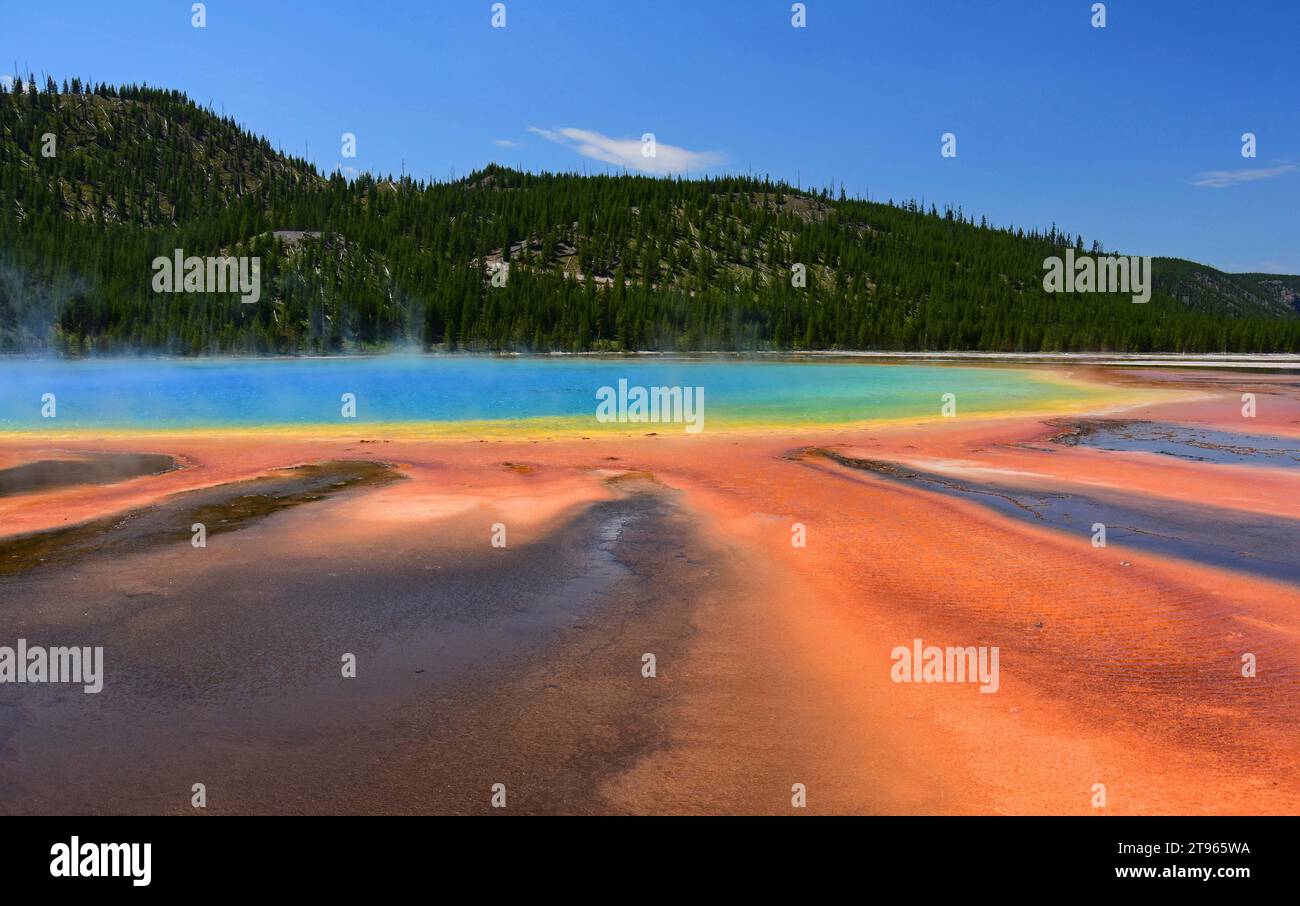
(1248, 542)
(521, 662)
(1190, 442)
(84, 468)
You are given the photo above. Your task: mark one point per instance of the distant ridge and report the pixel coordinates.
(591, 263)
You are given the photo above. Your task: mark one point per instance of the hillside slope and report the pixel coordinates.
(590, 262)
(1205, 289)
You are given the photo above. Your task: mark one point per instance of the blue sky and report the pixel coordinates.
(1105, 131)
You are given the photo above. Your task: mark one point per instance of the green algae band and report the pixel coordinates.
(221, 508)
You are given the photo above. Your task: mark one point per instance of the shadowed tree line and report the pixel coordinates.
(604, 263)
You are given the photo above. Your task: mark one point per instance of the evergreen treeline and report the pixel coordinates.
(594, 262)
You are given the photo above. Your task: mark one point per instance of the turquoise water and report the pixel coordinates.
(171, 393)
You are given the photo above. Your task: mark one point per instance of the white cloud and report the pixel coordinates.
(29, 83)
(1218, 179)
(627, 152)
(506, 143)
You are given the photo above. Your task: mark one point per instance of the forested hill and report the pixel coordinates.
(590, 262)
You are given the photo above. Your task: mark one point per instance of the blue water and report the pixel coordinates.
(177, 393)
